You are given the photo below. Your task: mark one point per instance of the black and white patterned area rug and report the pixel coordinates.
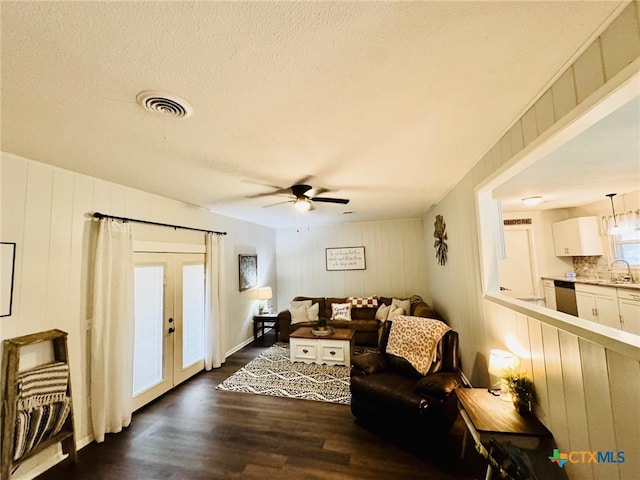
(272, 373)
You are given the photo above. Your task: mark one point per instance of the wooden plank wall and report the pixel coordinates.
(46, 211)
(394, 251)
(589, 394)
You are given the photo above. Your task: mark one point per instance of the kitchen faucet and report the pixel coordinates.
(627, 277)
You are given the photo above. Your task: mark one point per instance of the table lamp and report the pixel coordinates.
(264, 293)
(500, 361)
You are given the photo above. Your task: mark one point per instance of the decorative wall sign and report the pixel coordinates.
(440, 243)
(248, 267)
(517, 221)
(345, 258)
(7, 265)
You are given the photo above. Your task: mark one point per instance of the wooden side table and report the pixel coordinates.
(266, 320)
(487, 416)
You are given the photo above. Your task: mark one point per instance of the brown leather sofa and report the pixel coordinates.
(386, 389)
(363, 320)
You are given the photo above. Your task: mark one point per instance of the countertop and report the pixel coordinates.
(596, 281)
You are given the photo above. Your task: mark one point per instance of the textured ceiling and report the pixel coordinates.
(388, 104)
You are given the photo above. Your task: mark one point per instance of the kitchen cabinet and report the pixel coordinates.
(577, 237)
(598, 304)
(629, 306)
(549, 294)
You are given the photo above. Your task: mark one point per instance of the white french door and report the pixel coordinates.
(169, 322)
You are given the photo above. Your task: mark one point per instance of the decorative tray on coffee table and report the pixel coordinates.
(322, 333)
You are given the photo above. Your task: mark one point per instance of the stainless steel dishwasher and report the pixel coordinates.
(566, 297)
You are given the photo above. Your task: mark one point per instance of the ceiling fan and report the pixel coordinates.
(303, 202)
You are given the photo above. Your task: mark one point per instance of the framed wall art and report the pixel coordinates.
(7, 266)
(248, 268)
(345, 258)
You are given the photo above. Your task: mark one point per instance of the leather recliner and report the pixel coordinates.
(388, 391)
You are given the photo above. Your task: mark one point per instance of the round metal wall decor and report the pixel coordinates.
(440, 243)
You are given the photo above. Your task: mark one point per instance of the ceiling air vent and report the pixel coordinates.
(164, 104)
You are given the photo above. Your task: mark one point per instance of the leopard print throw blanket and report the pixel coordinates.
(415, 339)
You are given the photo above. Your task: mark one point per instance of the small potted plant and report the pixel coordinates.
(522, 390)
(321, 328)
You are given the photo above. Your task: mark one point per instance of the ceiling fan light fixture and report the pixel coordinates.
(302, 204)
(532, 201)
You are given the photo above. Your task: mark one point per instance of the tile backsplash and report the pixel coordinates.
(599, 267)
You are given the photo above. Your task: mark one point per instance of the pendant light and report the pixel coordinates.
(615, 229)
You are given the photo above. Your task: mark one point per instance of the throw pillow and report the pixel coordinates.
(300, 311)
(394, 312)
(363, 302)
(299, 315)
(404, 304)
(383, 312)
(313, 311)
(341, 311)
(298, 303)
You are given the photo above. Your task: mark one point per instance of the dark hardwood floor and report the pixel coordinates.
(198, 432)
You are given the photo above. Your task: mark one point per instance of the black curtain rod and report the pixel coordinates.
(100, 216)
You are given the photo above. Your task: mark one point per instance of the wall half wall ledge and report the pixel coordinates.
(625, 343)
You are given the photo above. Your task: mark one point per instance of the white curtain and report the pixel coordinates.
(214, 301)
(627, 222)
(112, 330)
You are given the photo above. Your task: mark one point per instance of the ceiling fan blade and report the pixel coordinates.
(280, 191)
(304, 180)
(277, 203)
(314, 192)
(344, 201)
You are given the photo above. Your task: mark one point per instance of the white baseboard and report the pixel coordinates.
(80, 444)
(49, 461)
(40, 468)
(238, 347)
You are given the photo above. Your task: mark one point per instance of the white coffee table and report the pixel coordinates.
(334, 349)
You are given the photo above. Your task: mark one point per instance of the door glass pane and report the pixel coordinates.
(149, 305)
(192, 314)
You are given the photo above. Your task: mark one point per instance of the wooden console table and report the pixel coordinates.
(488, 417)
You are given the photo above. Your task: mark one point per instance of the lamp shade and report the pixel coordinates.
(265, 293)
(501, 360)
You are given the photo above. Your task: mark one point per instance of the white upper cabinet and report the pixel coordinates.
(577, 237)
